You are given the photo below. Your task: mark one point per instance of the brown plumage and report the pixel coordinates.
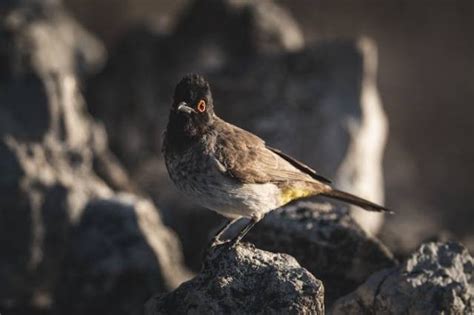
(230, 170)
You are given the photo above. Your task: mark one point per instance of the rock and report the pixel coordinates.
(437, 279)
(119, 254)
(239, 28)
(55, 162)
(244, 280)
(361, 172)
(326, 241)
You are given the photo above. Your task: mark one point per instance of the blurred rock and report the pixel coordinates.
(327, 242)
(437, 279)
(49, 151)
(318, 103)
(420, 155)
(244, 280)
(110, 27)
(119, 255)
(240, 28)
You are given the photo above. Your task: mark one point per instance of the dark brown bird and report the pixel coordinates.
(232, 171)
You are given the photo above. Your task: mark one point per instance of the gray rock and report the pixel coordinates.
(119, 255)
(54, 161)
(327, 242)
(437, 279)
(237, 29)
(244, 280)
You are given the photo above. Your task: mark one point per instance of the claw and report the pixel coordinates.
(218, 242)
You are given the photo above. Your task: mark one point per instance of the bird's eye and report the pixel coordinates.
(201, 106)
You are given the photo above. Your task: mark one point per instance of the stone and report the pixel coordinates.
(55, 165)
(326, 241)
(120, 254)
(239, 28)
(244, 280)
(438, 278)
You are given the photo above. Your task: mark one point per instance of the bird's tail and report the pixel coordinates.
(346, 197)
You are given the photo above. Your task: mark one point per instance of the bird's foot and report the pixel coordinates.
(217, 242)
(233, 243)
(215, 248)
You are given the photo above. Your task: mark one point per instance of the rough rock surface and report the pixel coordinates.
(318, 103)
(244, 280)
(326, 241)
(437, 279)
(54, 164)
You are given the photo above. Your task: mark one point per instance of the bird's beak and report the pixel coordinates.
(183, 107)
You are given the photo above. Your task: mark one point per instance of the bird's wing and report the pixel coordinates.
(246, 158)
(301, 166)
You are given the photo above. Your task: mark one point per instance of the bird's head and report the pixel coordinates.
(192, 108)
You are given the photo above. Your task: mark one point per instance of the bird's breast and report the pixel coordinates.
(197, 176)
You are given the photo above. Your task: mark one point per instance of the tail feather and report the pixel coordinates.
(346, 197)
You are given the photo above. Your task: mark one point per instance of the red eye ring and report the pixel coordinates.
(201, 106)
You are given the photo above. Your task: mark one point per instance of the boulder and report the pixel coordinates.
(244, 280)
(120, 254)
(327, 242)
(436, 279)
(55, 163)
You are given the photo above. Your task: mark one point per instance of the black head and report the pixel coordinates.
(193, 95)
(192, 111)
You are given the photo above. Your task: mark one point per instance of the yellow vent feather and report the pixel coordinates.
(292, 193)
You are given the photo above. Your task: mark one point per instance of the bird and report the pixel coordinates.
(230, 170)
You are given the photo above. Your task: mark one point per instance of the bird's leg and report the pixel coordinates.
(244, 231)
(216, 239)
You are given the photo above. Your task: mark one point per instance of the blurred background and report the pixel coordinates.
(374, 94)
(424, 77)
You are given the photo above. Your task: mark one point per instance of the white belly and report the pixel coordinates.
(245, 200)
(229, 198)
